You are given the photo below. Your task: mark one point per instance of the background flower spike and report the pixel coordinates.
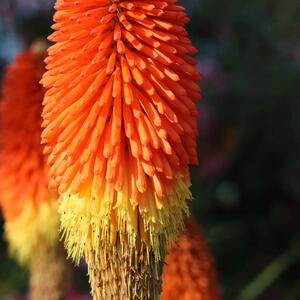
(30, 211)
(120, 130)
(190, 272)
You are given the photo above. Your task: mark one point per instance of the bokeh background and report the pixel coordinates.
(247, 187)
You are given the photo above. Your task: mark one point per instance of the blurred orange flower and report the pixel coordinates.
(190, 273)
(26, 203)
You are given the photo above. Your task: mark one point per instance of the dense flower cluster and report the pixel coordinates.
(120, 131)
(190, 273)
(24, 196)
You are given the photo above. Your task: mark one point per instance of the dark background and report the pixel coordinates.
(246, 190)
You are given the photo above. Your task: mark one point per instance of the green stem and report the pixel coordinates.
(270, 274)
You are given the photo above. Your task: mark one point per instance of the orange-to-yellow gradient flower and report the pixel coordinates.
(26, 203)
(190, 273)
(120, 131)
(30, 211)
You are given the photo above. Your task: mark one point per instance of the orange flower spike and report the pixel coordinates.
(120, 129)
(29, 209)
(190, 273)
(23, 186)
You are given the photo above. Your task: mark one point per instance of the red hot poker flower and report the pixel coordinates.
(30, 211)
(25, 199)
(190, 273)
(120, 131)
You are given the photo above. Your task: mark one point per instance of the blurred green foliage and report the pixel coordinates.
(250, 209)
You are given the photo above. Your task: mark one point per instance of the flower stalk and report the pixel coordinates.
(49, 274)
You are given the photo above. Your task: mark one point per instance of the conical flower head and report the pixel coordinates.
(190, 273)
(120, 125)
(29, 209)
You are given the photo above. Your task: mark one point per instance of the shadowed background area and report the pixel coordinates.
(246, 189)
